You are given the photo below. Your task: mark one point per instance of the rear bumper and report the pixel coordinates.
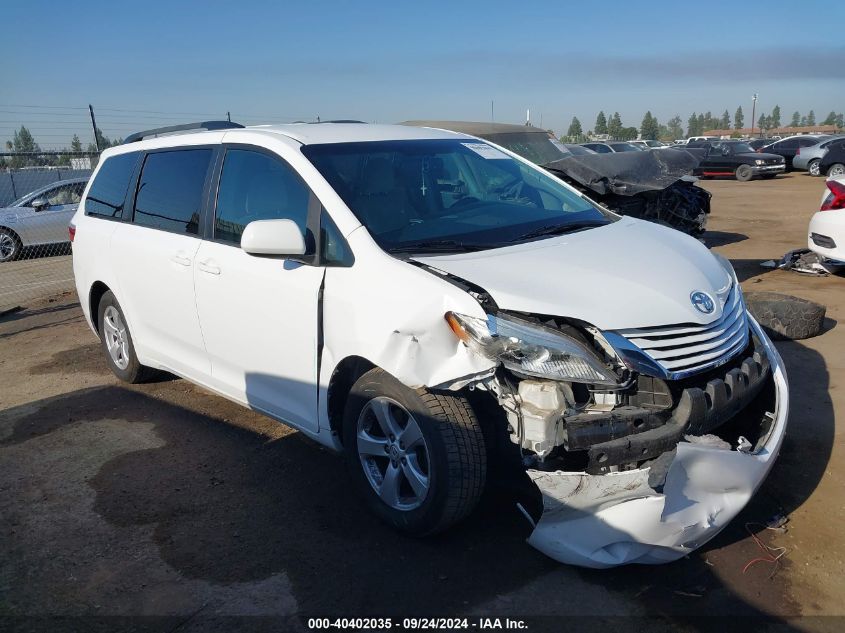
(826, 234)
(618, 518)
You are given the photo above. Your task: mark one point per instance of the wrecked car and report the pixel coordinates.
(435, 306)
(654, 186)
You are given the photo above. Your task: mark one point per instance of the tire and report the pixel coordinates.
(117, 344)
(836, 169)
(785, 317)
(10, 246)
(444, 453)
(743, 173)
(813, 167)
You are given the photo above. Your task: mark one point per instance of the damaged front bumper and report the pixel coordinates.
(616, 518)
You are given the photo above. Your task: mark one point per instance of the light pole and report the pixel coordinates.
(753, 111)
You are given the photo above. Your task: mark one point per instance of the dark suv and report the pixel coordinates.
(735, 158)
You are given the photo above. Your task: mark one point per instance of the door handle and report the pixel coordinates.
(181, 260)
(208, 267)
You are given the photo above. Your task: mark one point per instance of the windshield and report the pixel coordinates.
(741, 148)
(537, 147)
(450, 195)
(625, 147)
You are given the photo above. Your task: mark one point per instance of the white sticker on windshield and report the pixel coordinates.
(485, 151)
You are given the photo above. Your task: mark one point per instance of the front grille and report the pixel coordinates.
(689, 347)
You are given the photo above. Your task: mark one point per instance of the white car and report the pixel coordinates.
(431, 304)
(827, 226)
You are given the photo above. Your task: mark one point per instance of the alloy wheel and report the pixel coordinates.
(393, 454)
(7, 247)
(116, 337)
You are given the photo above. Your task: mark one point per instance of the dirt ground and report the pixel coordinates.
(164, 501)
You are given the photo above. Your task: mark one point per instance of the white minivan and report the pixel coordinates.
(435, 306)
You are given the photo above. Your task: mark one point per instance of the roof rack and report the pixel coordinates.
(204, 125)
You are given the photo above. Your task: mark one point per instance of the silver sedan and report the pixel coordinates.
(809, 157)
(40, 217)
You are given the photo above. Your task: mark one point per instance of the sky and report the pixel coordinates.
(142, 65)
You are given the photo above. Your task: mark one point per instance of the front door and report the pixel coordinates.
(259, 314)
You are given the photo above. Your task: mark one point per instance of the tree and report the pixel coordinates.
(739, 119)
(692, 125)
(675, 129)
(763, 122)
(775, 117)
(707, 122)
(614, 128)
(649, 128)
(700, 123)
(601, 123)
(811, 118)
(575, 130)
(725, 121)
(840, 120)
(796, 119)
(22, 141)
(803, 121)
(628, 133)
(75, 144)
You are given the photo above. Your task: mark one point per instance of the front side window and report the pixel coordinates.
(67, 194)
(449, 194)
(255, 186)
(170, 190)
(108, 191)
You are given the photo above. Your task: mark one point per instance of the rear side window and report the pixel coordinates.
(108, 191)
(255, 186)
(170, 190)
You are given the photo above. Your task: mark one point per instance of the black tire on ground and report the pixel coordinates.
(134, 372)
(10, 245)
(743, 173)
(785, 317)
(836, 169)
(457, 457)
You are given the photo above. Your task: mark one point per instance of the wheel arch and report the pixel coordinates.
(98, 289)
(344, 375)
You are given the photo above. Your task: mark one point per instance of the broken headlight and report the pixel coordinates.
(530, 349)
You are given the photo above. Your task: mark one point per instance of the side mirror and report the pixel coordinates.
(39, 204)
(273, 237)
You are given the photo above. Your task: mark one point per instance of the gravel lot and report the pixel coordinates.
(162, 500)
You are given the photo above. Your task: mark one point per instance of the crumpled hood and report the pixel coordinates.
(627, 274)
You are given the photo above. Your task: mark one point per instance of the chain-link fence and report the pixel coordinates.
(39, 193)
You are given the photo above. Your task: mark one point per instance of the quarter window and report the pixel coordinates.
(108, 191)
(255, 186)
(170, 190)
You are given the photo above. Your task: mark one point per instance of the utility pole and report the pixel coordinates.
(229, 117)
(492, 117)
(94, 125)
(753, 111)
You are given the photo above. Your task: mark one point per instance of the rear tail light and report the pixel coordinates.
(71, 232)
(836, 198)
(798, 152)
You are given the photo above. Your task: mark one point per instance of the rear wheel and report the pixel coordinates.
(417, 457)
(117, 342)
(10, 246)
(744, 173)
(813, 168)
(836, 169)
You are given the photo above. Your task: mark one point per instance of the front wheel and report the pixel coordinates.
(836, 169)
(744, 173)
(813, 167)
(417, 457)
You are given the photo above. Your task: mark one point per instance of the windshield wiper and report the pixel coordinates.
(441, 246)
(561, 229)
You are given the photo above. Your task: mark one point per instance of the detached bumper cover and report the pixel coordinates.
(617, 518)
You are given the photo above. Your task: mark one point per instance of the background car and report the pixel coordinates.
(735, 158)
(612, 147)
(826, 235)
(649, 144)
(788, 147)
(758, 143)
(833, 163)
(808, 158)
(40, 217)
